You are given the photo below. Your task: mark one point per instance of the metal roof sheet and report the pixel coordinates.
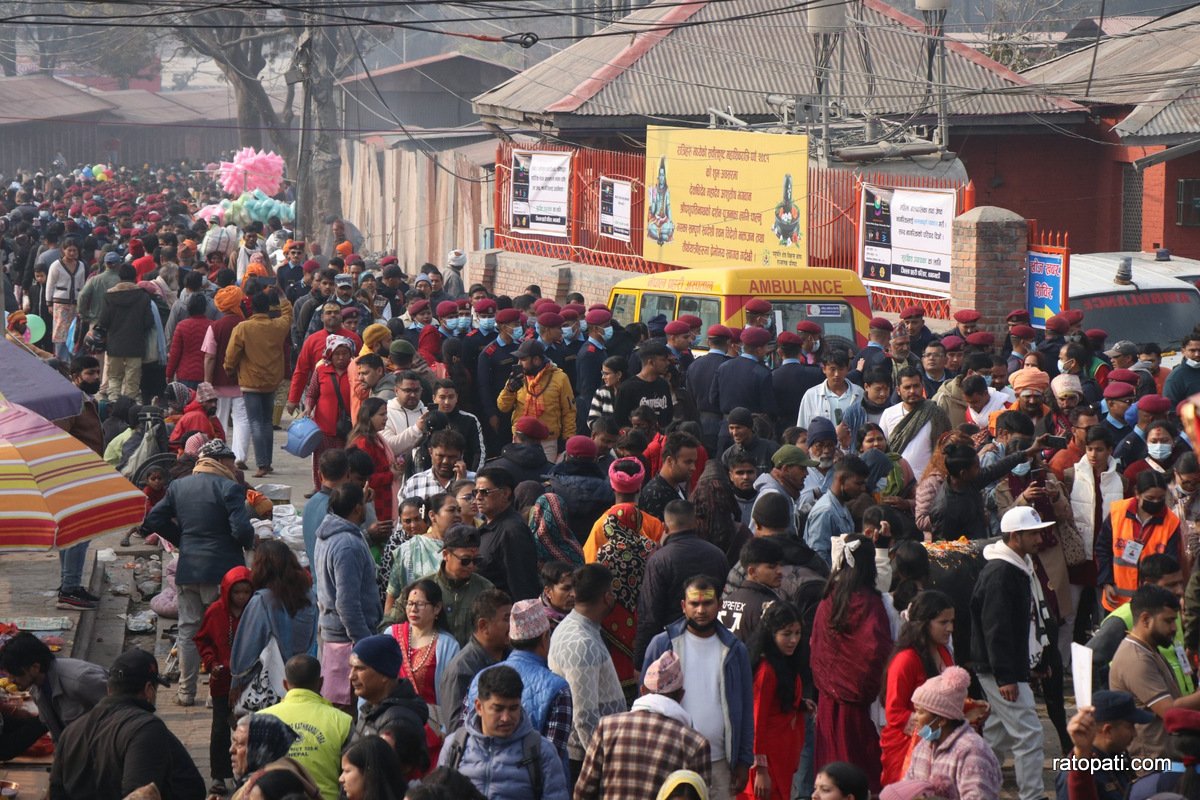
(30, 98)
(1127, 68)
(440, 58)
(219, 103)
(731, 54)
(140, 106)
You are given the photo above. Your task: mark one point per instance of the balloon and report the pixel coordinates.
(37, 327)
(102, 177)
(87, 172)
(99, 168)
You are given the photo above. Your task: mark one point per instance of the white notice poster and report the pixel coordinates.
(905, 237)
(541, 191)
(616, 204)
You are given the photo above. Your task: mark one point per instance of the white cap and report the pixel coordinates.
(456, 259)
(1022, 518)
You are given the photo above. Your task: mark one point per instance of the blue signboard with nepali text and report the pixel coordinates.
(1046, 283)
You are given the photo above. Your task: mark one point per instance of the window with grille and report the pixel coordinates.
(1188, 204)
(1131, 208)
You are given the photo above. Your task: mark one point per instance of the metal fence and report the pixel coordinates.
(833, 202)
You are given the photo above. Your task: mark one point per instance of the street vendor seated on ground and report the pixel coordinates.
(63, 689)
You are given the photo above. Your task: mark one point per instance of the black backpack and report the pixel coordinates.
(531, 756)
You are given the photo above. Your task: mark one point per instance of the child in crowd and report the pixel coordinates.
(214, 640)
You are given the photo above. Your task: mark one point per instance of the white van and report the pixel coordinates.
(1161, 304)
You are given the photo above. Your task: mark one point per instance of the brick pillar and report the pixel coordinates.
(988, 264)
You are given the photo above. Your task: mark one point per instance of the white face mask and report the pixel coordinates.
(1191, 362)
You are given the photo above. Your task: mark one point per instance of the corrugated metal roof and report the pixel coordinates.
(424, 62)
(219, 103)
(730, 55)
(1128, 68)
(140, 106)
(30, 98)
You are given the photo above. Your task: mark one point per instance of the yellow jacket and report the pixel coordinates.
(323, 733)
(553, 389)
(255, 352)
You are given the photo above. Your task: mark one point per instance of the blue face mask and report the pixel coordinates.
(1022, 469)
(1160, 451)
(537, 328)
(487, 325)
(416, 326)
(518, 335)
(608, 333)
(930, 734)
(568, 334)
(464, 324)
(582, 327)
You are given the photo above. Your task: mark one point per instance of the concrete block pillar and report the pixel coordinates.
(988, 264)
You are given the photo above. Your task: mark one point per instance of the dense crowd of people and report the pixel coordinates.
(550, 554)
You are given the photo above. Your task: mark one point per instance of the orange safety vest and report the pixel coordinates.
(1126, 530)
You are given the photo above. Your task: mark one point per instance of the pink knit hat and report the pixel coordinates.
(205, 392)
(945, 694)
(528, 620)
(623, 483)
(665, 675)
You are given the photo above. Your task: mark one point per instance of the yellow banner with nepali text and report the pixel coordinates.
(725, 198)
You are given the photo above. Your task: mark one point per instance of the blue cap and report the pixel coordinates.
(381, 653)
(112, 258)
(1112, 706)
(821, 429)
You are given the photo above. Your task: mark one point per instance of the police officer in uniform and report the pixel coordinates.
(913, 317)
(482, 333)
(700, 378)
(745, 381)
(589, 362)
(792, 378)
(572, 343)
(495, 367)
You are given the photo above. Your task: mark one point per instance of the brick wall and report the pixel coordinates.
(988, 264)
(509, 273)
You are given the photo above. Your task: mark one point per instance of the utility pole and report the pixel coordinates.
(934, 12)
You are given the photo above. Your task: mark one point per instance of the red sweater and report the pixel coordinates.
(186, 360)
(194, 419)
(214, 640)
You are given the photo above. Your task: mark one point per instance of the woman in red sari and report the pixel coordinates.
(851, 640)
(779, 705)
(426, 648)
(921, 653)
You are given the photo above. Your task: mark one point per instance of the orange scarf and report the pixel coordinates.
(533, 402)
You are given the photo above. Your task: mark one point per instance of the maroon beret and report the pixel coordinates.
(692, 320)
(1116, 390)
(1023, 332)
(580, 446)
(507, 316)
(967, 316)
(1017, 313)
(598, 316)
(808, 326)
(447, 308)
(676, 328)
(550, 319)
(1123, 376)
(719, 332)
(485, 305)
(1154, 404)
(755, 337)
(758, 306)
(1058, 323)
(1073, 316)
(952, 343)
(880, 324)
(981, 339)
(912, 312)
(533, 428)
(788, 338)
(418, 306)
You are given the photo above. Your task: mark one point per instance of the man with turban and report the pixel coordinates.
(1030, 386)
(376, 339)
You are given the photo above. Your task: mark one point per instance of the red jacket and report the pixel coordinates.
(382, 476)
(429, 343)
(325, 414)
(194, 419)
(310, 353)
(186, 360)
(214, 640)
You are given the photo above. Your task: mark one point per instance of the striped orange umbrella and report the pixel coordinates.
(54, 491)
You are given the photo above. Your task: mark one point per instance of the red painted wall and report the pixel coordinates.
(1074, 184)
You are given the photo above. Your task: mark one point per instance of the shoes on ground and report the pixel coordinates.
(77, 598)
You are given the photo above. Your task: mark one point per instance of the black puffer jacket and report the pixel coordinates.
(126, 318)
(402, 705)
(525, 462)
(585, 491)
